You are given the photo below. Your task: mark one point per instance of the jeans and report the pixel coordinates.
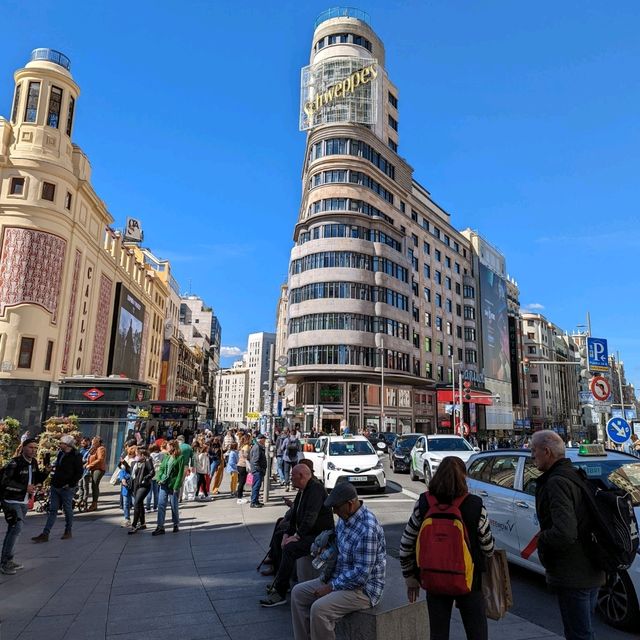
(287, 471)
(85, 489)
(152, 494)
(138, 506)
(280, 467)
(255, 487)
(212, 468)
(15, 515)
(168, 495)
(126, 502)
(576, 608)
(96, 476)
(471, 611)
(58, 498)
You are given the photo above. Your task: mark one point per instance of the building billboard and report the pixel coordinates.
(126, 336)
(495, 328)
(341, 89)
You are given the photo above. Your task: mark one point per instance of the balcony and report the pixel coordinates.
(342, 12)
(51, 55)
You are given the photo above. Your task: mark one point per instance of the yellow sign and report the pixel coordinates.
(341, 89)
(253, 415)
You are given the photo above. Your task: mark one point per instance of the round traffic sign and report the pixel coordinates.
(600, 387)
(618, 430)
(283, 360)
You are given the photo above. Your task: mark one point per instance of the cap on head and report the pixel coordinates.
(262, 436)
(70, 441)
(29, 441)
(343, 492)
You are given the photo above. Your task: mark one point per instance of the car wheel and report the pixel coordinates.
(412, 474)
(427, 474)
(617, 601)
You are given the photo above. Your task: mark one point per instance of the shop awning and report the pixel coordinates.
(477, 397)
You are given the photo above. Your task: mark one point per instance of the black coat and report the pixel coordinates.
(563, 514)
(142, 475)
(309, 516)
(15, 478)
(68, 471)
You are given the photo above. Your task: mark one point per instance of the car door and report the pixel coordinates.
(498, 494)
(527, 523)
(317, 456)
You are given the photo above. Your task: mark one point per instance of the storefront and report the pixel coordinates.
(106, 407)
(171, 419)
(473, 418)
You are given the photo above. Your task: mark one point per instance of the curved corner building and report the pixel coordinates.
(376, 274)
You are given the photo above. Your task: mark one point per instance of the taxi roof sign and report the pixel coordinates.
(592, 450)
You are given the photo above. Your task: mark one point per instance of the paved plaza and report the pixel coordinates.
(198, 583)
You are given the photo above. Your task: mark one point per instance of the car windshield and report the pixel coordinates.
(449, 444)
(406, 442)
(614, 473)
(351, 448)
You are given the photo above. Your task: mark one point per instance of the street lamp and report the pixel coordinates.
(453, 393)
(380, 347)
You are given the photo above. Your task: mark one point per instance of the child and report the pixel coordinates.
(232, 467)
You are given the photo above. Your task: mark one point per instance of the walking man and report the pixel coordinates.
(563, 513)
(357, 581)
(258, 461)
(19, 482)
(67, 473)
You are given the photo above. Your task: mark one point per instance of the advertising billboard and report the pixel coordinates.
(340, 89)
(127, 333)
(495, 328)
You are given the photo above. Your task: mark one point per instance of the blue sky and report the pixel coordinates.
(520, 118)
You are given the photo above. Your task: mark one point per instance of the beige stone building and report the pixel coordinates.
(232, 388)
(73, 299)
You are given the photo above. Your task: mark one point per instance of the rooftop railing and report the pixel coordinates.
(51, 55)
(342, 12)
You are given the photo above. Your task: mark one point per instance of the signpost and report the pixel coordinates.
(598, 354)
(600, 387)
(618, 430)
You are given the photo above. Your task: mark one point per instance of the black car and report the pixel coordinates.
(400, 458)
(382, 441)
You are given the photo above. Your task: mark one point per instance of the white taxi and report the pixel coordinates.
(429, 451)
(351, 458)
(505, 479)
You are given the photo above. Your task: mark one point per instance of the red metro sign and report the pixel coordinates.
(93, 394)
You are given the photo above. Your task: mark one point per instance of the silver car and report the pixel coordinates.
(505, 479)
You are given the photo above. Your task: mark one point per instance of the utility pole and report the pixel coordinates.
(267, 480)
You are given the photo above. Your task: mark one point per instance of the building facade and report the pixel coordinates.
(377, 274)
(232, 395)
(258, 363)
(74, 300)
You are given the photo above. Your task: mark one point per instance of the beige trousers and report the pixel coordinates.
(315, 618)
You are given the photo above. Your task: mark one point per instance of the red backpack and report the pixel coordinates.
(443, 550)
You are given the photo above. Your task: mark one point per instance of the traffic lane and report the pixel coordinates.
(404, 479)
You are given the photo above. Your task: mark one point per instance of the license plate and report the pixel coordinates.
(357, 478)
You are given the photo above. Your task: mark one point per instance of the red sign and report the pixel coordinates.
(465, 429)
(93, 394)
(600, 388)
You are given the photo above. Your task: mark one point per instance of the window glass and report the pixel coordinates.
(531, 474)
(16, 187)
(480, 469)
(16, 101)
(47, 361)
(26, 353)
(48, 191)
(55, 103)
(31, 110)
(354, 394)
(351, 448)
(503, 471)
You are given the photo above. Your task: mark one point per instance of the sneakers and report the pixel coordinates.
(175, 528)
(142, 527)
(14, 565)
(241, 501)
(66, 535)
(158, 532)
(256, 505)
(274, 600)
(8, 570)
(43, 537)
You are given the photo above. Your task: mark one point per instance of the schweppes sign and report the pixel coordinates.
(341, 89)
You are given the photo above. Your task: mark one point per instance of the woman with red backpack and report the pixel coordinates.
(443, 550)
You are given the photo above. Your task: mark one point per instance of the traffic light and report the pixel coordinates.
(467, 390)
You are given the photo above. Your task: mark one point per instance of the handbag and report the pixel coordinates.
(249, 479)
(496, 586)
(115, 477)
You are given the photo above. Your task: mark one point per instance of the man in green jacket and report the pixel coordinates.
(169, 478)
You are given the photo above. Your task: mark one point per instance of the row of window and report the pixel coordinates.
(26, 353)
(443, 237)
(348, 204)
(336, 230)
(349, 260)
(349, 290)
(53, 111)
(342, 38)
(351, 147)
(17, 187)
(353, 177)
(348, 355)
(349, 322)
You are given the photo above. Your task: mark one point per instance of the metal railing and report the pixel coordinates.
(51, 55)
(342, 12)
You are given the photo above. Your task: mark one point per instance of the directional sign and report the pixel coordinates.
(598, 354)
(618, 430)
(600, 387)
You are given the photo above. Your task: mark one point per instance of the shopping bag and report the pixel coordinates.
(115, 477)
(496, 586)
(249, 479)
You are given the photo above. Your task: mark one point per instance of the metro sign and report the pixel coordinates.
(93, 394)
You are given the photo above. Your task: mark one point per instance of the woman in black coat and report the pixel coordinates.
(142, 473)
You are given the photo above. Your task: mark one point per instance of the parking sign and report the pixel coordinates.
(598, 354)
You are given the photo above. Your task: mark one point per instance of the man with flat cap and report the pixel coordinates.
(357, 581)
(258, 461)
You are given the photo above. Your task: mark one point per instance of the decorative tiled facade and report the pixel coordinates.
(102, 325)
(31, 266)
(72, 312)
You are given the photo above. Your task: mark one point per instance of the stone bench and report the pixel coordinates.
(393, 617)
(305, 570)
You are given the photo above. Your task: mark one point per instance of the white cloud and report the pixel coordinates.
(230, 352)
(534, 306)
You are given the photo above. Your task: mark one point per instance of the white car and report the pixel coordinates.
(505, 479)
(429, 451)
(351, 458)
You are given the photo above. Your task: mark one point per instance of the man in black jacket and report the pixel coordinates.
(309, 517)
(563, 513)
(66, 475)
(19, 482)
(258, 461)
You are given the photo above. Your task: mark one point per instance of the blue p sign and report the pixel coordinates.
(598, 354)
